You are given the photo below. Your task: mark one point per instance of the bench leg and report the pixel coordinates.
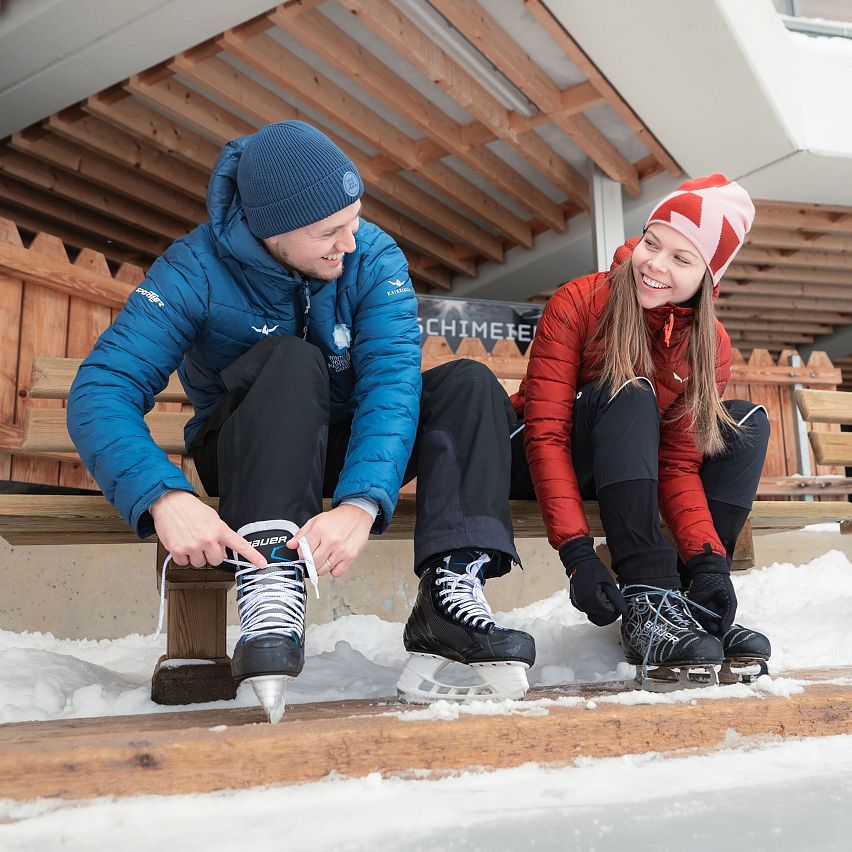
(743, 556)
(196, 667)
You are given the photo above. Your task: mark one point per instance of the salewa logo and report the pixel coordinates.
(265, 330)
(151, 296)
(276, 539)
(682, 381)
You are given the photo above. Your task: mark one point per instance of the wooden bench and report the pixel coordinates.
(196, 666)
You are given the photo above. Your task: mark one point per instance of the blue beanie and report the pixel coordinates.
(291, 175)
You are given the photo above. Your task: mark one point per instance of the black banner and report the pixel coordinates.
(455, 319)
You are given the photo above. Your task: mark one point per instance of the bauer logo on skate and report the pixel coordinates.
(660, 630)
(151, 296)
(276, 539)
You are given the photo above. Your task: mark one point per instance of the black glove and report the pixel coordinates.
(710, 586)
(593, 589)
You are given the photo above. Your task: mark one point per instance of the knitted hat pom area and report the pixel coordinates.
(714, 214)
(291, 175)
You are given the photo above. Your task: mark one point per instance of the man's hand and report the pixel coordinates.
(335, 538)
(192, 532)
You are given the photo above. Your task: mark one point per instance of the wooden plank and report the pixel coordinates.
(44, 330)
(11, 297)
(52, 378)
(768, 396)
(817, 360)
(193, 752)
(776, 486)
(12, 441)
(832, 447)
(821, 406)
(72, 519)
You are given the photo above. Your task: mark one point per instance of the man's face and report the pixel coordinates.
(316, 251)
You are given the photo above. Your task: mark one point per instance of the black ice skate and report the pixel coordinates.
(746, 655)
(271, 605)
(452, 622)
(665, 643)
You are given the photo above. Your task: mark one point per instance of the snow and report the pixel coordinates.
(758, 794)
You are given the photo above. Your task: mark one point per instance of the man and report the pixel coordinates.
(292, 325)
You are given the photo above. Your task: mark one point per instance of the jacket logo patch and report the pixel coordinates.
(398, 286)
(151, 296)
(265, 330)
(682, 381)
(339, 363)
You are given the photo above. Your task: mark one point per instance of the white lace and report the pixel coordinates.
(463, 593)
(270, 601)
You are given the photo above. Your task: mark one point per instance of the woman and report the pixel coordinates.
(621, 403)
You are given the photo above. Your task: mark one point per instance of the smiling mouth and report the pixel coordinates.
(654, 285)
(333, 258)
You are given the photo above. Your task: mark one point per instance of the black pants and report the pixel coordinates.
(272, 451)
(615, 452)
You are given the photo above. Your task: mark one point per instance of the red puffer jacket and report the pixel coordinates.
(561, 360)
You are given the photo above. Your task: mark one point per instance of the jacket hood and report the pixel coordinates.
(226, 216)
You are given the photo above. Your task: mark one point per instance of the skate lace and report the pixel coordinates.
(462, 594)
(673, 604)
(272, 599)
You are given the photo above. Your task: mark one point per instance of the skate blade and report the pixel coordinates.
(419, 682)
(270, 691)
(671, 678)
(745, 670)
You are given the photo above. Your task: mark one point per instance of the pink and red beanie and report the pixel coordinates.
(714, 214)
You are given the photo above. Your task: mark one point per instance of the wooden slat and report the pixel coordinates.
(52, 378)
(819, 406)
(776, 486)
(11, 296)
(71, 519)
(194, 752)
(832, 447)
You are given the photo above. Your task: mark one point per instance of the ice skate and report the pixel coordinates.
(665, 643)
(271, 604)
(452, 622)
(746, 655)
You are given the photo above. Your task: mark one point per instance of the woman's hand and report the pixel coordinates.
(335, 537)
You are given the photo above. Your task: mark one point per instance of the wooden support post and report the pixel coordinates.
(743, 557)
(195, 667)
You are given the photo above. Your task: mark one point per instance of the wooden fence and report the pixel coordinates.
(52, 307)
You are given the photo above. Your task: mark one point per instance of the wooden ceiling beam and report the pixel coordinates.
(781, 301)
(65, 155)
(783, 326)
(795, 258)
(781, 238)
(74, 216)
(575, 53)
(398, 31)
(120, 147)
(82, 192)
(791, 317)
(493, 42)
(803, 217)
(231, 86)
(443, 135)
(425, 269)
(766, 339)
(785, 288)
(801, 275)
(120, 110)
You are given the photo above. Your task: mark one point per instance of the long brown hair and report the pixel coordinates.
(624, 316)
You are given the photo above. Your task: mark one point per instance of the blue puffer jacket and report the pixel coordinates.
(208, 299)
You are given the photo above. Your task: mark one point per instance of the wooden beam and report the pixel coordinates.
(120, 110)
(786, 289)
(393, 27)
(767, 339)
(780, 238)
(743, 300)
(733, 311)
(822, 406)
(481, 30)
(794, 258)
(12, 441)
(71, 214)
(443, 134)
(792, 486)
(231, 86)
(193, 752)
(803, 217)
(750, 272)
(83, 193)
(575, 53)
(65, 155)
(832, 447)
(733, 323)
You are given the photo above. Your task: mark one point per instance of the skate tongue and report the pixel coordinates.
(468, 561)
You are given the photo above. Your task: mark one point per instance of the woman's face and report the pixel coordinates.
(666, 267)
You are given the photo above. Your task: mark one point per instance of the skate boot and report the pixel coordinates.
(665, 643)
(452, 622)
(746, 654)
(271, 605)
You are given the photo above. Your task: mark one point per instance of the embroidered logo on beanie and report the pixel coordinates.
(351, 184)
(714, 214)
